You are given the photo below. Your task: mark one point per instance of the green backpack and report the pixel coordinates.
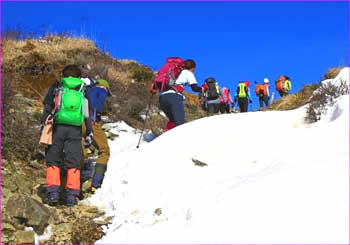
(71, 102)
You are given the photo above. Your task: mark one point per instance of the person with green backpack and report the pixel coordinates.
(67, 104)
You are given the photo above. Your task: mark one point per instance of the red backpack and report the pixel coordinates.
(168, 73)
(247, 84)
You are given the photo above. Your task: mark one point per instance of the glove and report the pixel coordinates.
(88, 140)
(250, 101)
(153, 91)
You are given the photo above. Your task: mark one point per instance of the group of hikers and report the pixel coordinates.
(73, 107)
(176, 74)
(215, 99)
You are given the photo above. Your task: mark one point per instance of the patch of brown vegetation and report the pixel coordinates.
(296, 100)
(332, 73)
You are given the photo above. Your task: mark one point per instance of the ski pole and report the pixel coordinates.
(144, 124)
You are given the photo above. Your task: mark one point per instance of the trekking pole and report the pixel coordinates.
(144, 124)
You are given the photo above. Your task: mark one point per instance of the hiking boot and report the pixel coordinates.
(71, 200)
(93, 190)
(53, 198)
(81, 195)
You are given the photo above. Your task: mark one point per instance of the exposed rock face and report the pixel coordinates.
(25, 237)
(29, 211)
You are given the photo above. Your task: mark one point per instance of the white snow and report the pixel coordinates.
(270, 178)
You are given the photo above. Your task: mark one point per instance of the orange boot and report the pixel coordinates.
(53, 184)
(73, 186)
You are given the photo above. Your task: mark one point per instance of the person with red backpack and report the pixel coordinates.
(171, 81)
(67, 104)
(243, 96)
(283, 85)
(262, 91)
(212, 93)
(225, 100)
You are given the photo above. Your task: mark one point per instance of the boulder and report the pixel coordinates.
(25, 237)
(29, 211)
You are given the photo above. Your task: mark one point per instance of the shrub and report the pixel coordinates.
(323, 98)
(19, 136)
(142, 74)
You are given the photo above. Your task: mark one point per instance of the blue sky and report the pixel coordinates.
(230, 41)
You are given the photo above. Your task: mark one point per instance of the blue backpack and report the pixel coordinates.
(96, 96)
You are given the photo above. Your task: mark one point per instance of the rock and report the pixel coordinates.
(106, 127)
(10, 185)
(63, 232)
(105, 221)
(8, 227)
(25, 237)
(111, 135)
(86, 231)
(29, 211)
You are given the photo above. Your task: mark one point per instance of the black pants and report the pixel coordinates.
(66, 147)
(243, 104)
(224, 108)
(213, 108)
(173, 107)
(263, 99)
(283, 93)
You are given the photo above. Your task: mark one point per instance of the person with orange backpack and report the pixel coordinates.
(243, 96)
(283, 85)
(171, 81)
(262, 91)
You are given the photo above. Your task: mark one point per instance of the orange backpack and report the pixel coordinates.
(279, 83)
(259, 89)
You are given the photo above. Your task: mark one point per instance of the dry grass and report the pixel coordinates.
(332, 73)
(50, 49)
(296, 100)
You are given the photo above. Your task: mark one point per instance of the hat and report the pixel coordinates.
(266, 80)
(210, 80)
(105, 84)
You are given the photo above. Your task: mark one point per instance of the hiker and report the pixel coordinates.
(171, 97)
(262, 91)
(243, 96)
(225, 100)
(212, 92)
(67, 104)
(97, 92)
(283, 85)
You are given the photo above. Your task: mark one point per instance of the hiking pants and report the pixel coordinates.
(66, 141)
(243, 104)
(224, 108)
(100, 141)
(213, 109)
(173, 107)
(283, 93)
(263, 99)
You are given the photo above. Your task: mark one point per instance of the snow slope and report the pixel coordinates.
(269, 178)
